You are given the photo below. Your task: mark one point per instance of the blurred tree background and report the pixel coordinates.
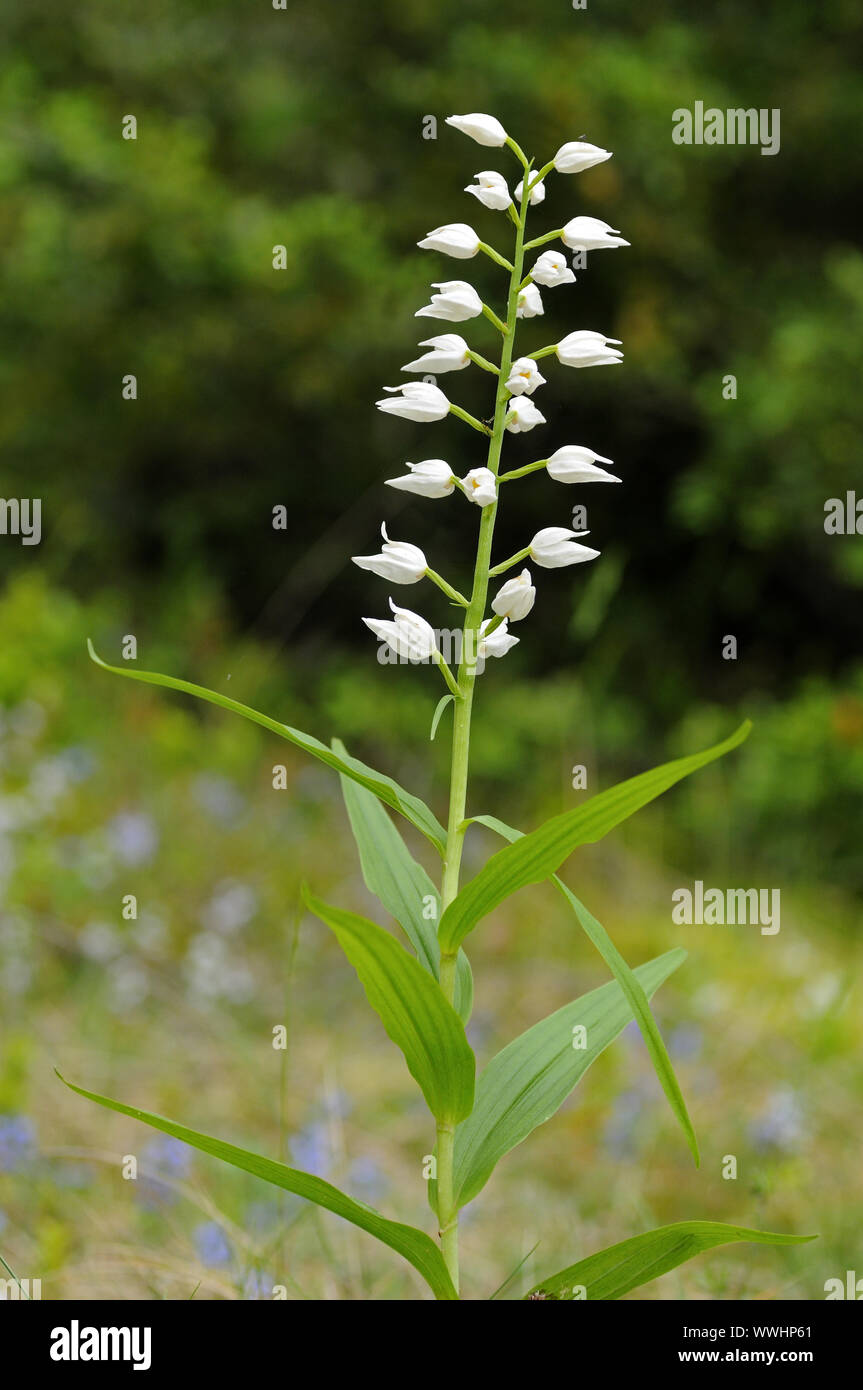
(303, 127)
(259, 127)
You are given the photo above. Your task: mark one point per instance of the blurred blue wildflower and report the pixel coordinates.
(367, 1179)
(619, 1132)
(780, 1123)
(17, 1143)
(685, 1042)
(134, 837)
(164, 1157)
(212, 1244)
(311, 1150)
(232, 905)
(218, 797)
(258, 1285)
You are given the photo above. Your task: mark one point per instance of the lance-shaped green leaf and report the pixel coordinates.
(614, 1272)
(412, 1008)
(402, 885)
(526, 1083)
(416, 1247)
(389, 791)
(539, 854)
(628, 982)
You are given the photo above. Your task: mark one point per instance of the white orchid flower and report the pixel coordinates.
(576, 464)
(480, 486)
(515, 598)
(399, 561)
(590, 234)
(491, 190)
(551, 269)
(449, 353)
(536, 195)
(496, 643)
(524, 377)
(455, 239)
(555, 546)
(456, 302)
(529, 303)
(584, 348)
(485, 130)
(408, 635)
(416, 400)
(577, 155)
(430, 478)
(522, 415)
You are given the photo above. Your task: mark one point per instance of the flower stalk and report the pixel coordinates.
(460, 760)
(517, 379)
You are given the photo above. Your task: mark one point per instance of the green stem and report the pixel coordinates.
(493, 318)
(447, 588)
(446, 1203)
(508, 564)
(483, 362)
(522, 472)
(469, 419)
(495, 256)
(541, 240)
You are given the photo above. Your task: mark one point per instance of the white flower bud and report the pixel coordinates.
(409, 635)
(485, 130)
(480, 486)
(575, 464)
(584, 348)
(590, 234)
(497, 643)
(551, 269)
(399, 561)
(529, 303)
(431, 478)
(536, 195)
(449, 353)
(456, 302)
(515, 598)
(455, 239)
(522, 415)
(524, 377)
(577, 155)
(417, 400)
(491, 189)
(555, 546)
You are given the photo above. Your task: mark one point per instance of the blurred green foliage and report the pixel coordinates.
(303, 128)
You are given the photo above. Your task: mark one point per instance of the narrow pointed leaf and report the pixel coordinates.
(389, 791)
(616, 1271)
(402, 885)
(526, 1083)
(436, 718)
(539, 854)
(412, 1008)
(414, 1245)
(628, 982)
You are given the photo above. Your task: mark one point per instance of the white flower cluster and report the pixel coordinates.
(456, 301)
